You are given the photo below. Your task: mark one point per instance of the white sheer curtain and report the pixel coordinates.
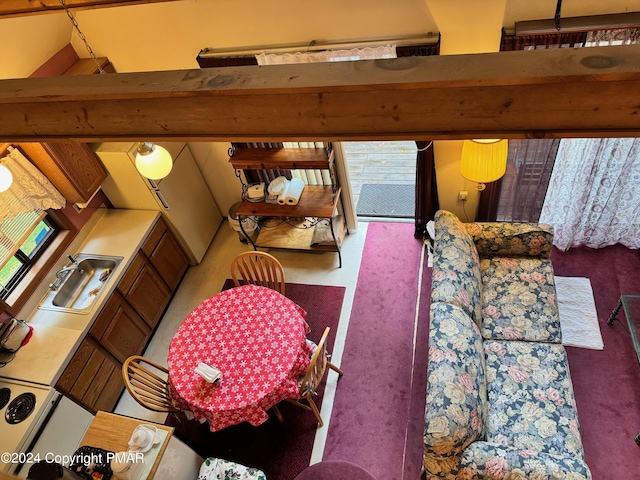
(30, 190)
(593, 197)
(24, 203)
(367, 53)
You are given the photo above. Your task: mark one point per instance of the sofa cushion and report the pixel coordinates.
(456, 266)
(530, 395)
(494, 461)
(512, 239)
(456, 390)
(519, 300)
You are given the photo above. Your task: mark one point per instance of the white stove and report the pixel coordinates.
(25, 408)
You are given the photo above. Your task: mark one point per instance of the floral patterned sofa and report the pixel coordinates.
(500, 402)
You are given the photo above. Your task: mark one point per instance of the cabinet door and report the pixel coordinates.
(166, 254)
(169, 260)
(80, 165)
(119, 329)
(149, 295)
(71, 166)
(93, 378)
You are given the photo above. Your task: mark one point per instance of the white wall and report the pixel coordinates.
(28, 42)
(169, 35)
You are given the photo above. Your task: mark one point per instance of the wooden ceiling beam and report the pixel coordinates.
(589, 92)
(19, 8)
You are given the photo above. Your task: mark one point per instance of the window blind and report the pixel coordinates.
(15, 231)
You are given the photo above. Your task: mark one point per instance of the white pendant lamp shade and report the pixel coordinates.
(6, 179)
(153, 161)
(484, 161)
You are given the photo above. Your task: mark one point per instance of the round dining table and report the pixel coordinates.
(256, 338)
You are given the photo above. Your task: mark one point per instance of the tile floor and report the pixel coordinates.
(206, 279)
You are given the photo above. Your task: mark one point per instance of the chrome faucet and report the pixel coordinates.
(63, 273)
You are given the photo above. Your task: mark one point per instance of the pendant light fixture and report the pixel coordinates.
(484, 161)
(153, 161)
(6, 179)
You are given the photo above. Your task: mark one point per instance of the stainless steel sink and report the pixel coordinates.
(83, 284)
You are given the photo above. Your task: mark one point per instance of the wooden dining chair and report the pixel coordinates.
(313, 377)
(258, 268)
(147, 383)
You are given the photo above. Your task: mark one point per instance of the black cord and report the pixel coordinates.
(556, 18)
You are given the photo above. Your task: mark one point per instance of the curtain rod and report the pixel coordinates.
(579, 24)
(313, 46)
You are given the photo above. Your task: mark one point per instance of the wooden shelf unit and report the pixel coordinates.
(281, 158)
(315, 201)
(293, 226)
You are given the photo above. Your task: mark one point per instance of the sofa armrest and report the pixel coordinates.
(490, 461)
(456, 389)
(511, 239)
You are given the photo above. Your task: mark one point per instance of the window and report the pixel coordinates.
(22, 240)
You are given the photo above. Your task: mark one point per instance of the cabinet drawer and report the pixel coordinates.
(154, 237)
(130, 276)
(104, 317)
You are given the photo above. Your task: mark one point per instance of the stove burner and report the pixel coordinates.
(5, 395)
(20, 408)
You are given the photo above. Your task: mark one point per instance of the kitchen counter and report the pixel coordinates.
(57, 334)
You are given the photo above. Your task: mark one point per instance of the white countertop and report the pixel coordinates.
(42, 359)
(58, 334)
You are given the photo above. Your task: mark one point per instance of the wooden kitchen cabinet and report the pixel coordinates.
(148, 295)
(93, 377)
(72, 167)
(165, 254)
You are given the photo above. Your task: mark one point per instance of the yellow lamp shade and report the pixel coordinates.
(6, 179)
(484, 161)
(153, 161)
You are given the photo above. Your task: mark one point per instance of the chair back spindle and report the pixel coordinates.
(313, 377)
(258, 268)
(143, 380)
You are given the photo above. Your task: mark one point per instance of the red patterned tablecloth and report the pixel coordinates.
(256, 337)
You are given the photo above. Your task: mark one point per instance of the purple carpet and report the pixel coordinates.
(377, 418)
(378, 412)
(280, 450)
(379, 401)
(606, 382)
